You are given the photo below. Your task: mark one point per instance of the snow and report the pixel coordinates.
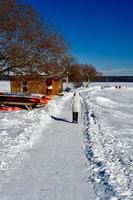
(42, 155)
(45, 156)
(5, 86)
(20, 130)
(108, 141)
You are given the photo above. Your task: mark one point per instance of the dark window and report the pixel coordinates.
(24, 86)
(24, 83)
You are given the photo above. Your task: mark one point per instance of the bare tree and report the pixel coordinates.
(27, 45)
(75, 73)
(89, 72)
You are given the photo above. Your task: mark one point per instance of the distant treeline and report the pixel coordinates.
(113, 79)
(96, 79)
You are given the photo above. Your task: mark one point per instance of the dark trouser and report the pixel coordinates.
(75, 117)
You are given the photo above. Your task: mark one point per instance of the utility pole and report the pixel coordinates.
(67, 78)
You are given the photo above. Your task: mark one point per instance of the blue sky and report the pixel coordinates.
(100, 32)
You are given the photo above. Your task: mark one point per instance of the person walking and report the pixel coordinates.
(76, 106)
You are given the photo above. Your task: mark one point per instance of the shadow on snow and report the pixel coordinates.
(60, 119)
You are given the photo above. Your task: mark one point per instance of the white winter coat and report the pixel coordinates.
(76, 102)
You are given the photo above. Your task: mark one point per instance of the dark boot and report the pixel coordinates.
(75, 117)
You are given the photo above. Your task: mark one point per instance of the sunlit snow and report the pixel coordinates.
(107, 143)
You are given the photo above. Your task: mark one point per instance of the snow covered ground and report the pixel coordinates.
(109, 141)
(20, 130)
(42, 154)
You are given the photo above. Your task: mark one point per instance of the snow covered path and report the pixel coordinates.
(54, 168)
